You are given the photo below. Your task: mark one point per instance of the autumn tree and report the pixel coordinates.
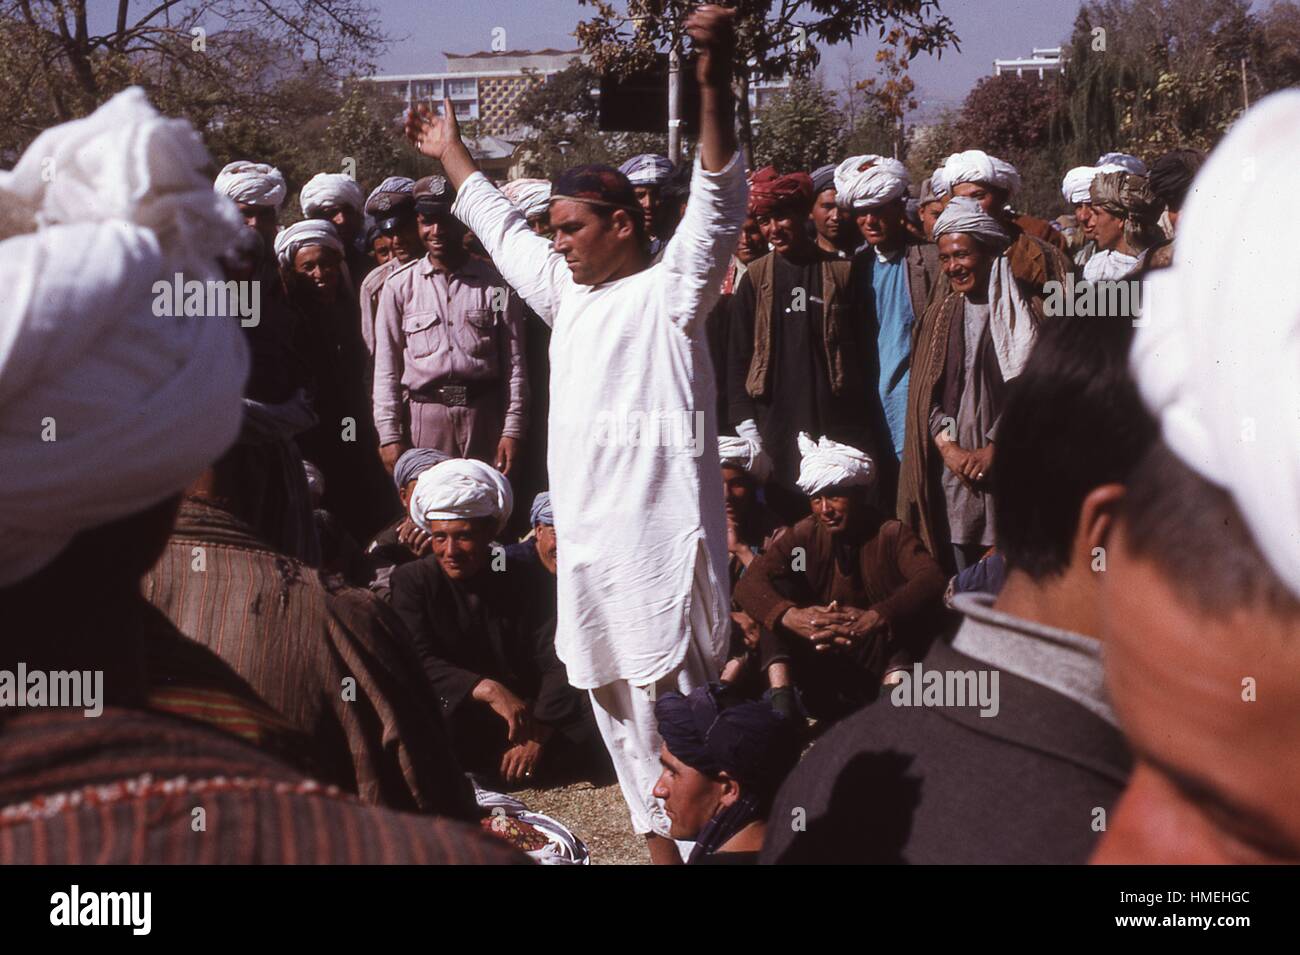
(245, 72)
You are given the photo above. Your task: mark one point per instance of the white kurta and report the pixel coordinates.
(633, 509)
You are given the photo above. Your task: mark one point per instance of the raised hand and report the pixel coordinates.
(431, 134)
(713, 28)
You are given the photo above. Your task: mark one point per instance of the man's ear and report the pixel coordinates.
(622, 220)
(730, 791)
(1098, 516)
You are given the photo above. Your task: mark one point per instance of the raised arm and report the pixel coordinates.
(525, 260)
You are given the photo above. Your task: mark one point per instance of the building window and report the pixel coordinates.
(460, 88)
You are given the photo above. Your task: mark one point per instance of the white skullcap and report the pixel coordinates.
(1217, 354)
(1123, 161)
(460, 489)
(252, 183)
(532, 197)
(975, 165)
(828, 463)
(744, 453)
(865, 181)
(136, 404)
(327, 189)
(288, 242)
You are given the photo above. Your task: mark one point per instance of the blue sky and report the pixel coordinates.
(988, 29)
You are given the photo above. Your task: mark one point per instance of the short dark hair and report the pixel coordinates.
(1073, 421)
(1192, 531)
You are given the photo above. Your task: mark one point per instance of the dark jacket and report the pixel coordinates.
(896, 784)
(503, 628)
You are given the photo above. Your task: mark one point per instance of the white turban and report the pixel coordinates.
(288, 242)
(327, 189)
(460, 489)
(964, 214)
(107, 408)
(1217, 353)
(252, 183)
(865, 181)
(975, 165)
(745, 453)
(1076, 186)
(1123, 161)
(828, 463)
(532, 197)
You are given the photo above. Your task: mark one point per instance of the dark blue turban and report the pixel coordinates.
(749, 741)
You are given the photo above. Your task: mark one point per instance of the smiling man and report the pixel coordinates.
(484, 630)
(844, 594)
(628, 340)
(449, 347)
(974, 339)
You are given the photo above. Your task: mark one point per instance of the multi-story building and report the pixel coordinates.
(481, 86)
(1043, 60)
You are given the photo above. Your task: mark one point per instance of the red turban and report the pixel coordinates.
(769, 192)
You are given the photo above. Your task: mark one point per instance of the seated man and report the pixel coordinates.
(484, 629)
(845, 590)
(924, 776)
(723, 762)
(539, 549)
(751, 528)
(401, 541)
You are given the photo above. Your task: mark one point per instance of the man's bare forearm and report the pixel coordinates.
(717, 124)
(458, 164)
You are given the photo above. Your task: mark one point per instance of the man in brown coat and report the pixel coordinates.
(843, 595)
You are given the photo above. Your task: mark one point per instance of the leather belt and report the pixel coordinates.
(453, 394)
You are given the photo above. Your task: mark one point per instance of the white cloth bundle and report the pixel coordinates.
(975, 165)
(252, 183)
(865, 181)
(745, 453)
(288, 242)
(828, 463)
(107, 408)
(1108, 266)
(532, 197)
(1217, 354)
(460, 489)
(326, 189)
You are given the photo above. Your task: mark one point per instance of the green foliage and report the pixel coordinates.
(800, 129)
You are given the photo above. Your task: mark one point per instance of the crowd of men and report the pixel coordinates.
(414, 525)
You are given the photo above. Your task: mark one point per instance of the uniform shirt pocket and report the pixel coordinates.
(422, 331)
(476, 333)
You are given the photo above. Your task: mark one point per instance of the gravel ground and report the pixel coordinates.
(597, 815)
